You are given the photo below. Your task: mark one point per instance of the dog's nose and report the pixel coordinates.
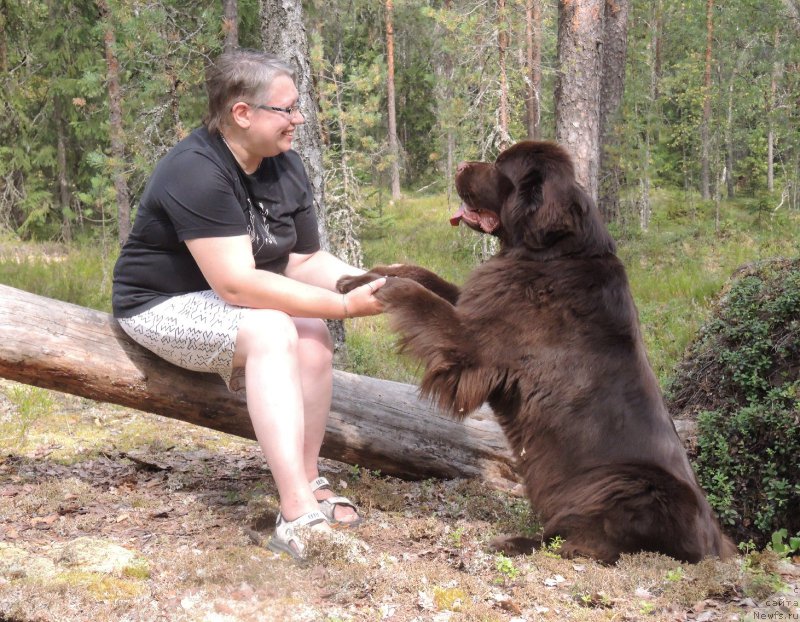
(461, 166)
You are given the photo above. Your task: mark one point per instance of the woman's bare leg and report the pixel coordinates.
(315, 352)
(289, 379)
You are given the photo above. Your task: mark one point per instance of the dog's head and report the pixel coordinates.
(529, 198)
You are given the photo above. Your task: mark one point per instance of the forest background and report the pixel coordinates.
(95, 91)
(704, 144)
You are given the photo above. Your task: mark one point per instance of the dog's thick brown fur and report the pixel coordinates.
(547, 332)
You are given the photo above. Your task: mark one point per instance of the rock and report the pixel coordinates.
(95, 555)
(17, 563)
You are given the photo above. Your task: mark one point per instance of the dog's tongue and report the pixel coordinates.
(456, 218)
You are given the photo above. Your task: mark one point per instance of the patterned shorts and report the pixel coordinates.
(195, 331)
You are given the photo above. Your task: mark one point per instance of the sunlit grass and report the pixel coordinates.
(80, 273)
(676, 269)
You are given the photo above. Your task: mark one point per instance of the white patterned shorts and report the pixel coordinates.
(195, 331)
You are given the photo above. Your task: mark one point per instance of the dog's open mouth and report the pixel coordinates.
(481, 219)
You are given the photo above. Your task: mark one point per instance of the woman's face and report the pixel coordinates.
(271, 131)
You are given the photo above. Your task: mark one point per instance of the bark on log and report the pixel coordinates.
(374, 423)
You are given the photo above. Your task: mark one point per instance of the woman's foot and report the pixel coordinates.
(340, 511)
(291, 536)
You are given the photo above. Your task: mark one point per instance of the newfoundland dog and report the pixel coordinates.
(547, 333)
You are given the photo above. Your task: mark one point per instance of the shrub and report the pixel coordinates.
(741, 378)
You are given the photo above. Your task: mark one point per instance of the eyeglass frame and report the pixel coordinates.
(290, 111)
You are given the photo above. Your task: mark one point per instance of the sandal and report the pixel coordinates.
(328, 506)
(286, 538)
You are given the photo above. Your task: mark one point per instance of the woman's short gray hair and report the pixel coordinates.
(239, 75)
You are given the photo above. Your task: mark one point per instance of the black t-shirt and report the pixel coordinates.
(198, 191)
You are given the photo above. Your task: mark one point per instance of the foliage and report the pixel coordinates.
(55, 171)
(55, 163)
(741, 374)
(781, 546)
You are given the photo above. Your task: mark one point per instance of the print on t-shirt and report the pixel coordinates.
(259, 236)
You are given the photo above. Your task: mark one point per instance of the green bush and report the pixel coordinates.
(742, 378)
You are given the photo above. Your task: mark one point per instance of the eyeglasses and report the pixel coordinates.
(289, 111)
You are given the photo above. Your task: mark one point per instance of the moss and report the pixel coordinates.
(101, 587)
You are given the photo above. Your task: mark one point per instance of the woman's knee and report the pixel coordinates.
(315, 340)
(266, 331)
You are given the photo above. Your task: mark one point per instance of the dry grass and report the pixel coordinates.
(196, 507)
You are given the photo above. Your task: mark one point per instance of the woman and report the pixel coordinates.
(223, 273)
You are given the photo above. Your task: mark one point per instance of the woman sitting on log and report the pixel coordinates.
(223, 273)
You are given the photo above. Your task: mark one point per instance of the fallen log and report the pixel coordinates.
(377, 424)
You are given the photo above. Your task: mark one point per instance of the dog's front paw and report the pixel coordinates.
(349, 283)
(398, 290)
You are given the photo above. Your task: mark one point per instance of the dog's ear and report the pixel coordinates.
(549, 212)
(590, 230)
(540, 212)
(519, 209)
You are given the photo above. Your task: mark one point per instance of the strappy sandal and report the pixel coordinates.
(328, 506)
(286, 538)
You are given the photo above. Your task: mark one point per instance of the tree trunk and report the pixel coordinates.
(533, 47)
(230, 24)
(283, 34)
(729, 155)
(394, 150)
(337, 85)
(645, 207)
(3, 37)
(115, 126)
(174, 98)
(376, 424)
(580, 32)
(777, 70)
(444, 97)
(705, 127)
(658, 47)
(504, 138)
(61, 160)
(612, 87)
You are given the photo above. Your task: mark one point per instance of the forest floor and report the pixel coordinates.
(110, 514)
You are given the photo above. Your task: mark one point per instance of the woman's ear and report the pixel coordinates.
(240, 115)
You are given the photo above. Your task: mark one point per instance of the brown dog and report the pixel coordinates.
(547, 332)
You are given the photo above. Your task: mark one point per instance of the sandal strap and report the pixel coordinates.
(340, 501)
(286, 533)
(310, 518)
(318, 483)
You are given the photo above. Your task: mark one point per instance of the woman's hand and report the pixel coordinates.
(361, 301)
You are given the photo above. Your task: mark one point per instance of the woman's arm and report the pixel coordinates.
(320, 268)
(227, 264)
